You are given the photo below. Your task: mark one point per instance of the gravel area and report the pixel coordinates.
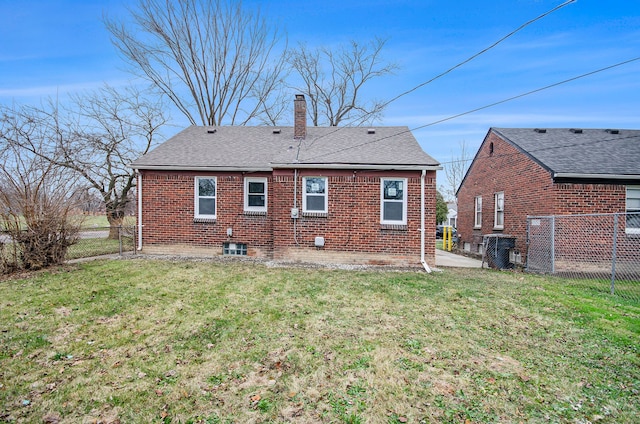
(269, 263)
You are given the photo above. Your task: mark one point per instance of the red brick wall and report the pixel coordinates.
(528, 190)
(587, 237)
(589, 198)
(352, 224)
(526, 185)
(168, 212)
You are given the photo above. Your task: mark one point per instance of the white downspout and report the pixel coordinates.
(422, 229)
(295, 204)
(139, 211)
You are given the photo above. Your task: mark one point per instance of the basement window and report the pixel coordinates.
(234, 249)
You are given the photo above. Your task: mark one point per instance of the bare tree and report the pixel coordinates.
(333, 81)
(455, 170)
(213, 59)
(112, 130)
(97, 137)
(38, 202)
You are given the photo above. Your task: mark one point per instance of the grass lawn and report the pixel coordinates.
(100, 221)
(139, 340)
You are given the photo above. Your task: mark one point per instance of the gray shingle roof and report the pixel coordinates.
(583, 152)
(259, 148)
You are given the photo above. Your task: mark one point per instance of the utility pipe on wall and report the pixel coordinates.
(139, 211)
(295, 204)
(422, 223)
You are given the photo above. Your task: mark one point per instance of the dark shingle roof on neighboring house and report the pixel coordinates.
(265, 148)
(580, 153)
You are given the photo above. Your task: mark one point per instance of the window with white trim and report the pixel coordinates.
(255, 194)
(498, 216)
(314, 194)
(477, 220)
(205, 197)
(633, 210)
(393, 201)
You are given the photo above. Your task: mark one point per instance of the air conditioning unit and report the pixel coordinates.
(515, 257)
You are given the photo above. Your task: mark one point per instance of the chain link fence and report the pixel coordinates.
(601, 251)
(98, 241)
(94, 241)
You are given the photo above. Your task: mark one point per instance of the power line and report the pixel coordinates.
(560, 6)
(530, 92)
(606, 68)
(469, 59)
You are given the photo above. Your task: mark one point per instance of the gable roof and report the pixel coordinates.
(579, 153)
(240, 148)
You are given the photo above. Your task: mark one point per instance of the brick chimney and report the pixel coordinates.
(300, 117)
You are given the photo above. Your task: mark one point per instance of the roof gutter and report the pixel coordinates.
(557, 175)
(201, 168)
(358, 166)
(286, 166)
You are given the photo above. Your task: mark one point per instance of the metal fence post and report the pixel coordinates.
(553, 244)
(528, 243)
(120, 238)
(135, 239)
(613, 253)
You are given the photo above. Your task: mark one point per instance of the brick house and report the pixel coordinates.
(313, 194)
(520, 172)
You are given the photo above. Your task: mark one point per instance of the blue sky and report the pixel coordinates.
(50, 48)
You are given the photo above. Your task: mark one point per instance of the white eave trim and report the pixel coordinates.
(399, 167)
(201, 168)
(596, 176)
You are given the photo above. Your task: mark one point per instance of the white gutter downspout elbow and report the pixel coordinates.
(139, 211)
(422, 229)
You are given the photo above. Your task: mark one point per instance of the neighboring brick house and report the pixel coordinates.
(316, 194)
(520, 172)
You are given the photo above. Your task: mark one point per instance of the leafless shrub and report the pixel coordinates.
(37, 202)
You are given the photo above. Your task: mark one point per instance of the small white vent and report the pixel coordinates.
(371, 131)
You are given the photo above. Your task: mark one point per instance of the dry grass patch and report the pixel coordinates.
(197, 342)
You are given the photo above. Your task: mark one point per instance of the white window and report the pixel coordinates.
(477, 223)
(205, 201)
(498, 217)
(314, 197)
(633, 210)
(393, 201)
(255, 194)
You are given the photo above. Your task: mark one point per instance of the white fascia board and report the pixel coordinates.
(596, 176)
(201, 168)
(398, 167)
(287, 166)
